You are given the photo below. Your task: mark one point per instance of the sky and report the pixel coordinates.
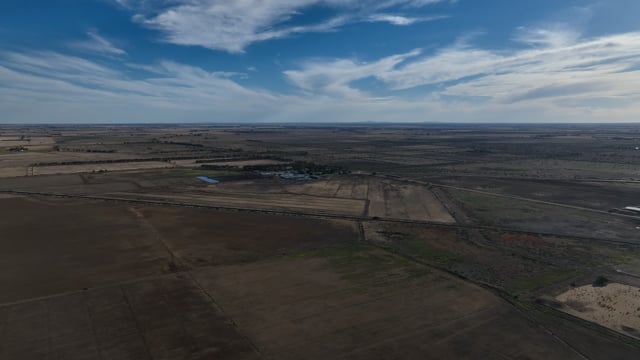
(253, 61)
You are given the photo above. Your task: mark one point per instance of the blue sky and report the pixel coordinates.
(118, 61)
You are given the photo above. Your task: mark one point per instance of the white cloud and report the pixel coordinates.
(334, 77)
(554, 71)
(587, 80)
(98, 44)
(233, 25)
(401, 20)
(53, 78)
(547, 37)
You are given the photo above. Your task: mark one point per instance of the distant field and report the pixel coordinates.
(340, 195)
(402, 201)
(552, 168)
(519, 214)
(595, 195)
(28, 142)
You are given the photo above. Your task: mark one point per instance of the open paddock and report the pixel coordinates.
(28, 142)
(212, 237)
(52, 246)
(362, 303)
(168, 317)
(405, 201)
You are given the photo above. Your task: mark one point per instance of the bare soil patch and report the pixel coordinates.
(165, 318)
(50, 246)
(616, 306)
(201, 236)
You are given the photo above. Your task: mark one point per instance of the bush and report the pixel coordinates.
(601, 281)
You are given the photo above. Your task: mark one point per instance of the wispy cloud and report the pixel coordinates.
(593, 79)
(558, 67)
(401, 20)
(70, 88)
(98, 44)
(334, 77)
(233, 25)
(557, 37)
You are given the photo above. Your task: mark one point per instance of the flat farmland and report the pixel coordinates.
(397, 200)
(169, 317)
(86, 168)
(519, 264)
(362, 303)
(354, 195)
(28, 142)
(595, 195)
(29, 163)
(41, 183)
(326, 188)
(549, 168)
(210, 237)
(395, 242)
(53, 246)
(546, 218)
(91, 244)
(341, 187)
(263, 201)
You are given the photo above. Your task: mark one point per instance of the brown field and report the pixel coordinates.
(101, 243)
(87, 245)
(356, 196)
(368, 304)
(169, 317)
(28, 142)
(394, 200)
(213, 237)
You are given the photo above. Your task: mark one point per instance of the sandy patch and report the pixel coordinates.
(615, 306)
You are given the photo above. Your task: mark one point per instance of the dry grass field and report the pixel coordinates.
(389, 199)
(345, 195)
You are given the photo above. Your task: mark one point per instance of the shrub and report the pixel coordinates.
(601, 281)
